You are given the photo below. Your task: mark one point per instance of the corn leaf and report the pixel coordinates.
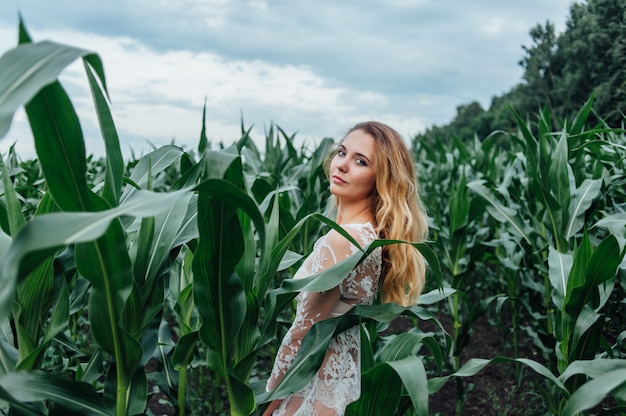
(474, 365)
(616, 223)
(114, 163)
(218, 290)
(402, 346)
(413, 376)
(582, 198)
(499, 211)
(594, 391)
(560, 265)
(596, 269)
(60, 147)
(559, 174)
(380, 393)
(26, 69)
(14, 210)
(43, 235)
(29, 386)
(149, 166)
(459, 205)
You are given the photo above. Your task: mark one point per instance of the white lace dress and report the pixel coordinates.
(337, 382)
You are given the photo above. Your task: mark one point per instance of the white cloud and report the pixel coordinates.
(158, 97)
(311, 67)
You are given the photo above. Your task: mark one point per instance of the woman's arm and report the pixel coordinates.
(273, 406)
(314, 307)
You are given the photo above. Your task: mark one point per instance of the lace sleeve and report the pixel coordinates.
(312, 306)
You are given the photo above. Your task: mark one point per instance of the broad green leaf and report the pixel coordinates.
(247, 339)
(559, 265)
(34, 295)
(242, 401)
(289, 259)
(141, 248)
(150, 165)
(13, 206)
(586, 320)
(459, 205)
(380, 393)
(499, 211)
(188, 230)
(593, 368)
(401, 346)
(583, 197)
(168, 223)
(246, 267)
(581, 117)
(27, 386)
(106, 264)
(138, 393)
(594, 391)
(616, 223)
(9, 357)
(435, 296)
(114, 163)
(218, 291)
(184, 349)
(60, 313)
(60, 147)
(28, 68)
(475, 365)
(93, 369)
(224, 191)
(218, 164)
(5, 243)
(600, 267)
(578, 274)
(44, 234)
(559, 174)
(413, 376)
(20, 408)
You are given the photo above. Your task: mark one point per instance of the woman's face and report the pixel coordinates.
(352, 174)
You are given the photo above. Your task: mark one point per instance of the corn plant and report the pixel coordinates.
(458, 232)
(121, 263)
(553, 223)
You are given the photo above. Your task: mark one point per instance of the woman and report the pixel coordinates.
(373, 182)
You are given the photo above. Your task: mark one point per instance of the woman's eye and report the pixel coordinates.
(341, 152)
(361, 162)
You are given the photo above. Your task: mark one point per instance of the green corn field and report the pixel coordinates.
(165, 280)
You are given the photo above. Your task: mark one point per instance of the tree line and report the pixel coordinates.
(561, 72)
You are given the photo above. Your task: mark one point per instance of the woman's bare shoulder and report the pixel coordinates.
(361, 233)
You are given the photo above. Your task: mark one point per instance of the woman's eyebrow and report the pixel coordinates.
(363, 156)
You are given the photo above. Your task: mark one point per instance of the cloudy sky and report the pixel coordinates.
(314, 68)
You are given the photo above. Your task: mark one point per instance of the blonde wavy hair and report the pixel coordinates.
(399, 214)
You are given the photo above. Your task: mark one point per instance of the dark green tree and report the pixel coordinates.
(591, 59)
(561, 72)
(538, 67)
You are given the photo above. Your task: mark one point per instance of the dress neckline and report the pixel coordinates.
(360, 224)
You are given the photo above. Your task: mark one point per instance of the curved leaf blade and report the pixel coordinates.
(28, 68)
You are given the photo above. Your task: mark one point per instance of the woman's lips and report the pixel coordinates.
(337, 179)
